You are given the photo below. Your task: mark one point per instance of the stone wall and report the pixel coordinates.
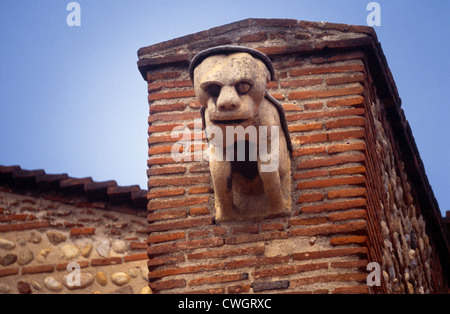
(342, 217)
(41, 235)
(409, 262)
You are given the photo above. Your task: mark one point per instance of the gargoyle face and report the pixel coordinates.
(230, 88)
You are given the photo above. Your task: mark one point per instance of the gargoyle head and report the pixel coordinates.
(230, 83)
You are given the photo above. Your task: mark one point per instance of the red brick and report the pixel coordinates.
(281, 50)
(106, 261)
(199, 234)
(165, 193)
(153, 171)
(169, 95)
(223, 253)
(14, 217)
(169, 138)
(314, 106)
(334, 206)
(345, 79)
(38, 269)
(318, 183)
(278, 96)
(239, 289)
(308, 139)
(200, 190)
(361, 264)
(170, 117)
(272, 226)
(164, 161)
(218, 279)
(326, 93)
(138, 246)
(361, 277)
(360, 251)
(195, 104)
(346, 122)
(163, 128)
(274, 235)
(167, 107)
(272, 85)
(166, 237)
(9, 271)
(169, 84)
(289, 270)
(158, 261)
(318, 114)
(162, 150)
(254, 37)
(330, 161)
(162, 75)
(154, 250)
(155, 205)
(302, 82)
(345, 135)
(351, 227)
(184, 270)
(219, 231)
(347, 193)
(187, 223)
(208, 291)
(25, 226)
(303, 151)
(348, 240)
(249, 229)
(63, 266)
(198, 211)
(313, 197)
(307, 221)
(256, 262)
(362, 289)
(183, 181)
(135, 257)
(339, 148)
(292, 107)
(352, 101)
(349, 215)
(311, 174)
(168, 284)
(167, 215)
(274, 22)
(328, 69)
(349, 170)
(81, 231)
(305, 127)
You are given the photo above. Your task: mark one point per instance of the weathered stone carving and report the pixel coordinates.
(250, 158)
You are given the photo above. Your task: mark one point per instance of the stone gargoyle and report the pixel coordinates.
(247, 123)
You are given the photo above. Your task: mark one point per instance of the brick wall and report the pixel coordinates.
(346, 209)
(43, 230)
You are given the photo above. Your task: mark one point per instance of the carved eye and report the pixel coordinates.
(243, 88)
(213, 90)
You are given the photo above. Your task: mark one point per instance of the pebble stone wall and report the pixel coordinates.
(41, 236)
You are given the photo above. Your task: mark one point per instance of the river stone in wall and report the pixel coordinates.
(70, 281)
(6, 245)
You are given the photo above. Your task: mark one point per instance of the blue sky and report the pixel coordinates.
(73, 101)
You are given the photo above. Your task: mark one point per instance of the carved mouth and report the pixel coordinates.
(228, 122)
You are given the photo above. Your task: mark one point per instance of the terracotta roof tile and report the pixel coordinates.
(18, 179)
